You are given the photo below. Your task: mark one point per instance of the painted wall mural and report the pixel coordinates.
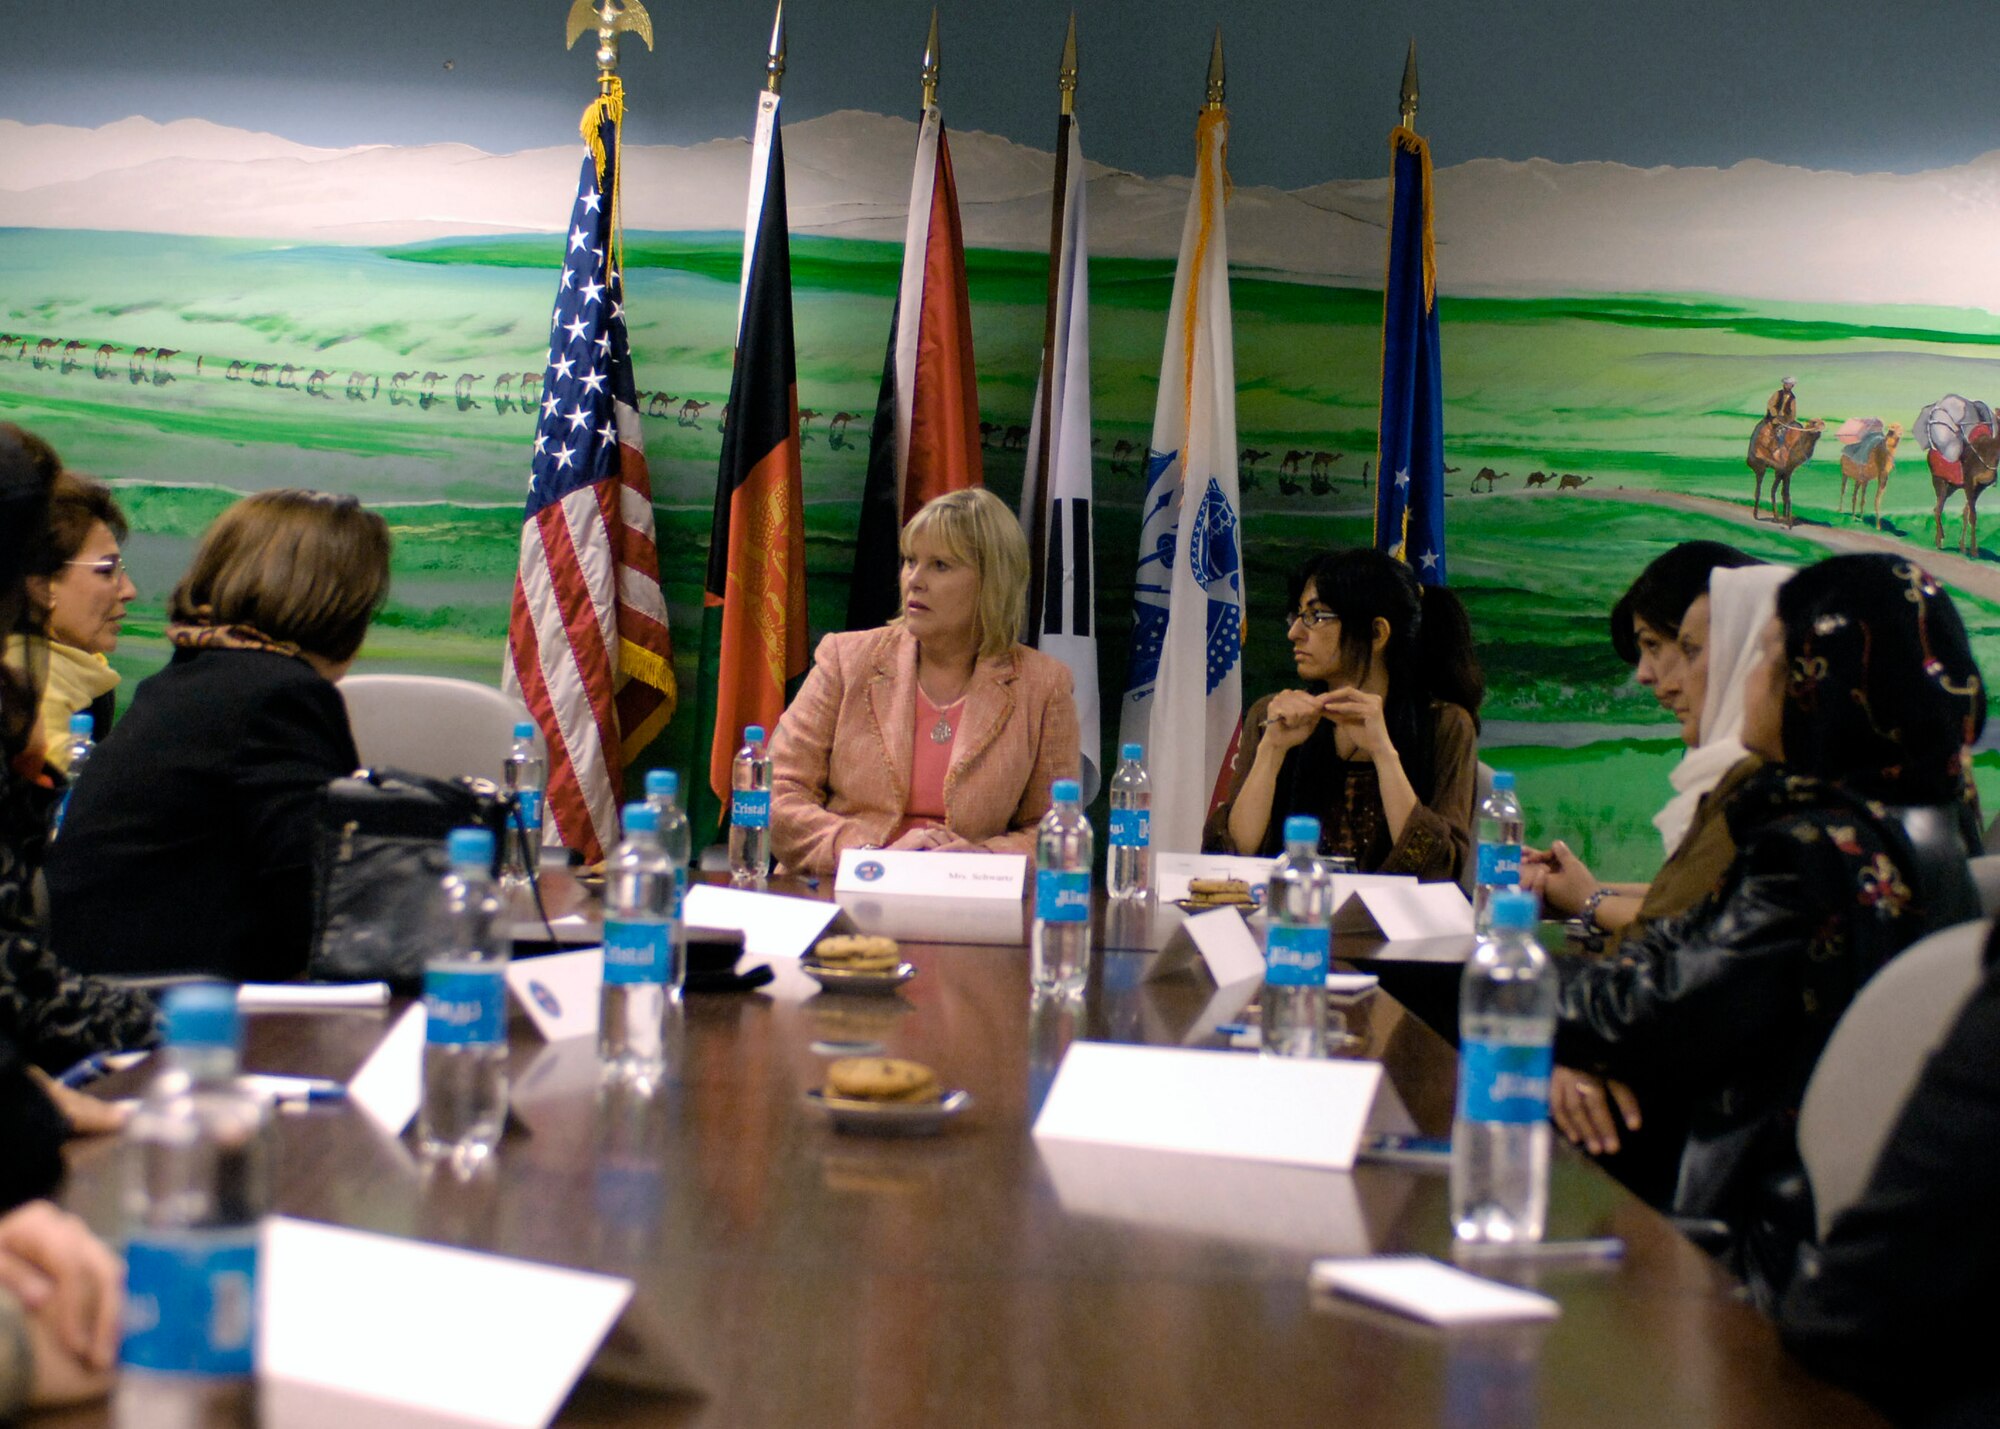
(195, 310)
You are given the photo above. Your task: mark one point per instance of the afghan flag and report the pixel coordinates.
(926, 436)
(1409, 462)
(1184, 689)
(753, 627)
(1056, 508)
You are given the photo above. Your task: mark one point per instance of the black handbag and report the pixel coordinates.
(377, 863)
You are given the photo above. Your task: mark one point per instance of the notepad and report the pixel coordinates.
(1430, 1291)
(311, 996)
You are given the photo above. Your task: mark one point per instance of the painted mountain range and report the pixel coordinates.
(1755, 230)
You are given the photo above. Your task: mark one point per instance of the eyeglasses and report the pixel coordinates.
(110, 567)
(1310, 619)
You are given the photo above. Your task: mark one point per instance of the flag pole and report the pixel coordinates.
(1217, 75)
(1038, 536)
(1407, 102)
(774, 63)
(932, 56)
(608, 18)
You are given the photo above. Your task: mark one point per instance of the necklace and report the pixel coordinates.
(941, 731)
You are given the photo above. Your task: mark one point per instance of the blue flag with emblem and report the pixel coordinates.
(1409, 462)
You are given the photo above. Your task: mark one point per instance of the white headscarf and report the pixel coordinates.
(1741, 602)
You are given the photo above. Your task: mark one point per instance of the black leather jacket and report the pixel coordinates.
(1734, 999)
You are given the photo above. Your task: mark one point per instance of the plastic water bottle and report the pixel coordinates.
(199, 1163)
(1129, 871)
(1499, 831)
(663, 794)
(1298, 945)
(750, 811)
(465, 1002)
(78, 748)
(1059, 960)
(524, 775)
(1506, 1023)
(644, 955)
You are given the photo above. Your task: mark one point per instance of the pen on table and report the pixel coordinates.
(1608, 1247)
(296, 1089)
(99, 1064)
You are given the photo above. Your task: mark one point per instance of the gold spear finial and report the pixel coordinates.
(931, 57)
(774, 67)
(1409, 98)
(1066, 76)
(1215, 72)
(608, 17)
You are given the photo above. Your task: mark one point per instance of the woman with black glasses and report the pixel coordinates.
(1380, 742)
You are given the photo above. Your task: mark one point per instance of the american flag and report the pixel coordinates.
(588, 644)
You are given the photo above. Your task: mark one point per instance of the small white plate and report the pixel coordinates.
(890, 1118)
(872, 981)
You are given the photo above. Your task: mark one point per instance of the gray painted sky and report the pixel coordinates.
(1834, 83)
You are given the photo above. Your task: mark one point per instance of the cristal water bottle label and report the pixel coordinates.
(1062, 896)
(1296, 956)
(1131, 828)
(1500, 863)
(750, 808)
(1504, 1081)
(531, 808)
(465, 1007)
(680, 889)
(191, 1302)
(636, 952)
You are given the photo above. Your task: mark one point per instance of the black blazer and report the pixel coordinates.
(187, 844)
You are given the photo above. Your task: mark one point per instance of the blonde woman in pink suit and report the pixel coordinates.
(940, 730)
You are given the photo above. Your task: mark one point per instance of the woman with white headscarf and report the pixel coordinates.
(1718, 642)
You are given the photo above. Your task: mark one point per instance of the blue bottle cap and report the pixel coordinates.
(1132, 751)
(753, 734)
(1066, 791)
(663, 784)
(1502, 779)
(202, 1014)
(1302, 828)
(469, 847)
(524, 730)
(641, 819)
(1516, 912)
(81, 722)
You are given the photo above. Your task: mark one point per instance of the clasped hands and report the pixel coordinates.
(71, 1289)
(1563, 881)
(1292, 715)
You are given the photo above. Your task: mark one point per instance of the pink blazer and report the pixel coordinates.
(841, 755)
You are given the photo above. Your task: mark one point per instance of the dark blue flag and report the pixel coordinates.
(1409, 462)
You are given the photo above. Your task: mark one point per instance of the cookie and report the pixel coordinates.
(1217, 887)
(858, 953)
(881, 1079)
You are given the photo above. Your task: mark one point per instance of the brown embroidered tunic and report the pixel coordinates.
(1437, 837)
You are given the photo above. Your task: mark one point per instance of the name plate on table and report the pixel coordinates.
(1219, 940)
(930, 874)
(1295, 1111)
(389, 1086)
(1171, 871)
(772, 925)
(1401, 908)
(559, 992)
(478, 1339)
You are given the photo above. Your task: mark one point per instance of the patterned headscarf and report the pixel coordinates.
(1882, 694)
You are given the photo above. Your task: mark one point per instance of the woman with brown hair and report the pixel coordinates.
(187, 844)
(79, 579)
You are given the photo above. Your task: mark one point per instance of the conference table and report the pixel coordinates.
(806, 1276)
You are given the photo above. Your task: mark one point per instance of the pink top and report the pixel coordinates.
(930, 761)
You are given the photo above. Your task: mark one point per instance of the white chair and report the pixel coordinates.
(1986, 878)
(1872, 1061)
(427, 725)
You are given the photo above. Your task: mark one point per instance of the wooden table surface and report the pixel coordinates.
(971, 1279)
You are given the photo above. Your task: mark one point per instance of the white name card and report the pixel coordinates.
(772, 925)
(928, 873)
(1220, 940)
(312, 996)
(559, 992)
(1405, 909)
(1293, 1110)
(1428, 1290)
(1171, 871)
(479, 1338)
(390, 1085)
